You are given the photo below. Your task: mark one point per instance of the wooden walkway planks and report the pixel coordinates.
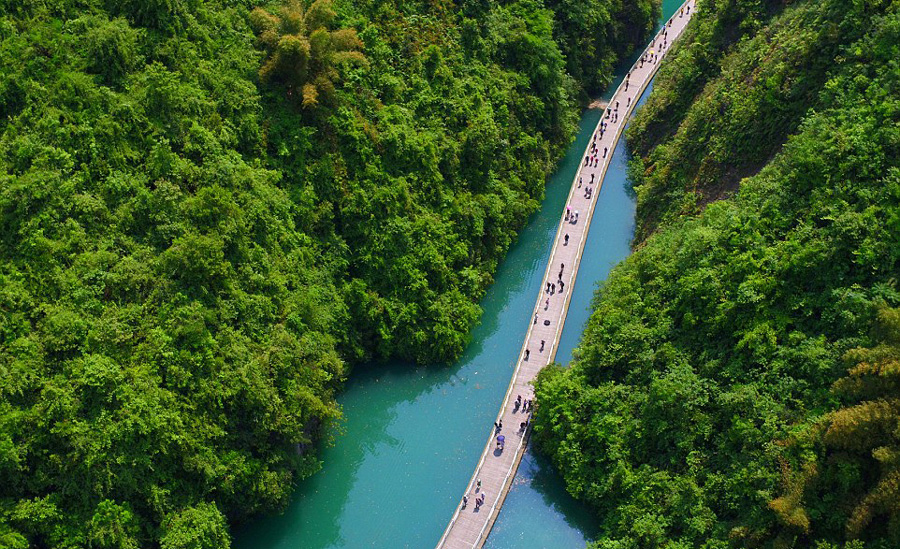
(470, 525)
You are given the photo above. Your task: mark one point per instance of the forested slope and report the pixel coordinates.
(700, 408)
(208, 211)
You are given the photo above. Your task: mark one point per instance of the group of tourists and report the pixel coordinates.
(591, 160)
(479, 498)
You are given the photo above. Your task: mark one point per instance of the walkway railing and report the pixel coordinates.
(469, 531)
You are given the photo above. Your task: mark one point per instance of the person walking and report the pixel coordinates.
(565, 243)
(542, 346)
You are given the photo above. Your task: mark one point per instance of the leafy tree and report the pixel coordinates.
(303, 54)
(199, 527)
(860, 436)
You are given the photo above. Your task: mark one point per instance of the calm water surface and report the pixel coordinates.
(412, 435)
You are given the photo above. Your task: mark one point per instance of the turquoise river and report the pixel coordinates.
(412, 435)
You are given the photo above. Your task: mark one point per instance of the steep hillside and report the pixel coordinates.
(686, 417)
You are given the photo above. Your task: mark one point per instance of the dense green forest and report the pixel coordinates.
(211, 210)
(736, 385)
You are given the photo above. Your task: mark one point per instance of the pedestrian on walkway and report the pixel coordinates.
(561, 286)
(629, 102)
(552, 289)
(565, 243)
(542, 346)
(546, 305)
(527, 352)
(562, 267)
(535, 318)
(579, 181)
(605, 149)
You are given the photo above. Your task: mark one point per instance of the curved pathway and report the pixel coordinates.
(471, 523)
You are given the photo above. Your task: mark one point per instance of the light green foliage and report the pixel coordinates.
(200, 527)
(188, 259)
(710, 356)
(747, 98)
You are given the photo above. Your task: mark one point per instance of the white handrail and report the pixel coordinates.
(581, 244)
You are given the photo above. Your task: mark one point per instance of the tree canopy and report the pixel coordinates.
(211, 210)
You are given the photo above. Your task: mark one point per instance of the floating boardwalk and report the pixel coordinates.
(470, 524)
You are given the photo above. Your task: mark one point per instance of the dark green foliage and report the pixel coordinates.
(188, 259)
(851, 458)
(716, 344)
(594, 35)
